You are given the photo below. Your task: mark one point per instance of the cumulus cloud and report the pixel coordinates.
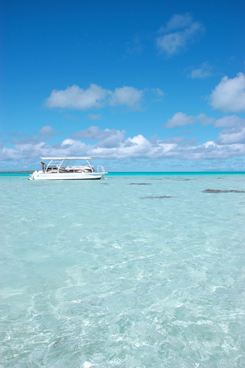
(47, 131)
(75, 97)
(96, 133)
(229, 122)
(180, 30)
(67, 142)
(95, 96)
(234, 129)
(229, 94)
(128, 96)
(232, 136)
(205, 120)
(205, 70)
(233, 132)
(107, 138)
(179, 119)
(115, 139)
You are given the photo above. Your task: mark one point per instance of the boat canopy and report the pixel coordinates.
(67, 158)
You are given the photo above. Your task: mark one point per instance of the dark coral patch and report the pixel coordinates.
(223, 191)
(159, 197)
(140, 183)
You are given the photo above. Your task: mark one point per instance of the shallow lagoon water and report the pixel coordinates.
(110, 274)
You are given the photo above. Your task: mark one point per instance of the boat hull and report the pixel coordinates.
(39, 175)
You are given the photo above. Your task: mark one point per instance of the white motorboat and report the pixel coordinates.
(58, 169)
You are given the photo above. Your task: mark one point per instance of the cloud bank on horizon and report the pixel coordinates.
(112, 144)
(122, 128)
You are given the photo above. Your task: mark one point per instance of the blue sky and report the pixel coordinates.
(142, 85)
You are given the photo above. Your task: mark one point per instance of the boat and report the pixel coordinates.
(58, 169)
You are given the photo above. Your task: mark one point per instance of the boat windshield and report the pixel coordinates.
(62, 165)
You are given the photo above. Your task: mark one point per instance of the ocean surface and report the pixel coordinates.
(141, 270)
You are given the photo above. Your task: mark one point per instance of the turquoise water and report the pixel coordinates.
(133, 271)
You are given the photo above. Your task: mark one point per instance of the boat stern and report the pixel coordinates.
(34, 175)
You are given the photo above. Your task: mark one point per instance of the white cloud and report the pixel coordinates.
(75, 97)
(229, 122)
(204, 71)
(205, 120)
(229, 94)
(171, 43)
(47, 131)
(113, 140)
(179, 21)
(187, 30)
(231, 136)
(128, 96)
(68, 142)
(107, 137)
(179, 119)
(233, 133)
(96, 97)
(112, 144)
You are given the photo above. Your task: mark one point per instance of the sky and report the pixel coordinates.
(141, 85)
